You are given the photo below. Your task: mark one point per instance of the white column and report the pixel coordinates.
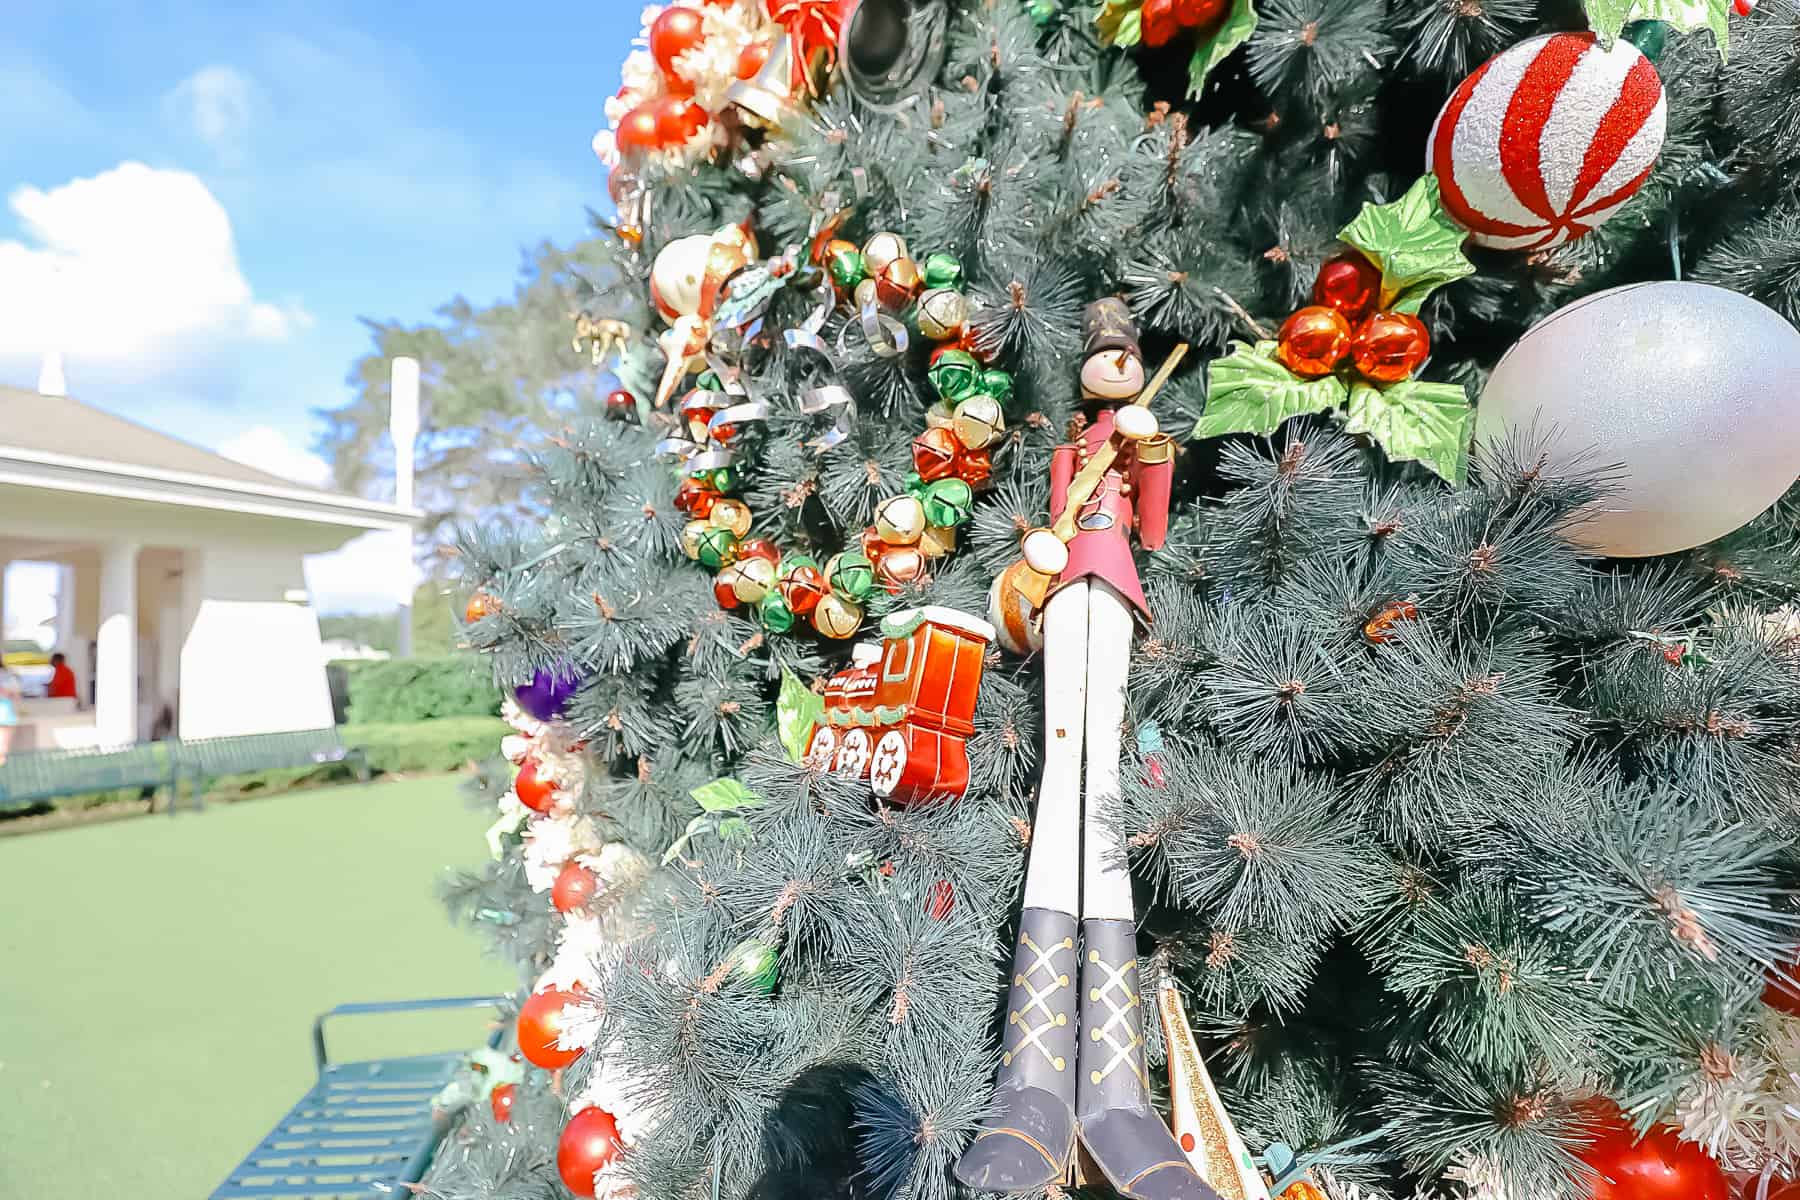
(115, 674)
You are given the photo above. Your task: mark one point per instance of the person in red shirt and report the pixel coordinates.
(62, 678)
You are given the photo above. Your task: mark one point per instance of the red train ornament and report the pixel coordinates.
(901, 715)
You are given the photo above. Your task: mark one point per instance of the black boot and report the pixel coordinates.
(1029, 1138)
(1120, 1128)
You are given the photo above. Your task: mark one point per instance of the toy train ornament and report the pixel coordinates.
(901, 714)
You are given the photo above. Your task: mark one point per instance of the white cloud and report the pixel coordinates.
(372, 573)
(213, 103)
(135, 265)
(268, 449)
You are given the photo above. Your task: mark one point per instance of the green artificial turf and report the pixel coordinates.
(159, 976)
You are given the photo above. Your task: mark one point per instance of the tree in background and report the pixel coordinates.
(1471, 850)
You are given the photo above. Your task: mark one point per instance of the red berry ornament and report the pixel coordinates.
(637, 129)
(677, 120)
(751, 59)
(480, 605)
(589, 1141)
(1313, 341)
(1201, 14)
(621, 405)
(1348, 282)
(675, 31)
(1389, 346)
(533, 790)
(574, 887)
(541, 1020)
(1158, 22)
(501, 1100)
(1660, 1167)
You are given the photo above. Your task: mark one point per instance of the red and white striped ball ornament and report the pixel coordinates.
(1547, 140)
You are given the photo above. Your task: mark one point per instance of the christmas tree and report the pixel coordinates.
(1421, 790)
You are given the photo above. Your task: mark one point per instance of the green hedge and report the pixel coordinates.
(409, 748)
(419, 689)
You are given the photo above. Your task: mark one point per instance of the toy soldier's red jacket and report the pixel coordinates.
(1134, 492)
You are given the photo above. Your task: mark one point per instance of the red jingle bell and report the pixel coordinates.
(759, 548)
(1781, 984)
(541, 1020)
(501, 1100)
(675, 31)
(534, 790)
(803, 588)
(934, 454)
(1313, 341)
(1348, 282)
(940, 900)
(589, 1142)
(637, 129)
(899, 565)
(696, 497)
(1389, 346)
(574, 888)
(1661, 1166)
(975, 467)
(677, 120)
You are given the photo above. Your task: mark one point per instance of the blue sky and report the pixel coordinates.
(200, 199)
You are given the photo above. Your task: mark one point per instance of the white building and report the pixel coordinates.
(184, 598)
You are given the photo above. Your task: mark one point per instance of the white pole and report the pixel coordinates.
(403, 427)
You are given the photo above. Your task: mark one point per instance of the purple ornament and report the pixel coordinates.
(547, 692)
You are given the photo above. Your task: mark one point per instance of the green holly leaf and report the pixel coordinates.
(725, 795)
(1248, 391)
(1414, 421)
(1232, 32)
(1608, 17)
(1414, 242)
(797, 710)
(1121, 23)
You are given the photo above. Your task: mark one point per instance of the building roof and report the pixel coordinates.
(65, 426)
(59, 443)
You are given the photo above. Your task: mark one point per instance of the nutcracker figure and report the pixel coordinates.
(1068, 1074)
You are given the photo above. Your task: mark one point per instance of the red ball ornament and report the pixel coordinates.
(1348, 282)
(637, 129)
(696, 498)
(751, 59)
(725, 591)
(589, 1141)
(934, 454)
(803, 588)
(481, 604)
(759, 548)
(1389, 346)
(574, 887)
(1201, 14)
(1660, 1167)
(1313, 341)
(675, 31)
(541, 1019)
(1158, 21)
(501, 1100)
(533, 790)
(940, 900)
(621, 405)
(677, 120)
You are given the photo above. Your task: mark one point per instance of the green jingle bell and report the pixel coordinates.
(942, 270)
(916, 485)
(846, 264)
(996, 383)
(956, 374)
(851, 575)
(949, 502)
(793, 562)
(724, 479)
(776, 616)
(717, 546)
(756, 964)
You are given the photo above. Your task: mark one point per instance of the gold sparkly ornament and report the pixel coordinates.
(731, 514)
(937, 540)
(1197, 1116)
(978, 421)
(754, 578)
(836, 617)
(882, 249)
(942, 313)
(900, 521)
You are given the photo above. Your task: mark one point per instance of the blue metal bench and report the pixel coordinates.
(363, 1129)
(34, 776)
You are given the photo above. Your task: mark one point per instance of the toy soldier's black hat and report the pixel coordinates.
(1107, 324)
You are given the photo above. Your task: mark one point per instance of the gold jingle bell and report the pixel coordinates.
(901, 565)
(690, 537)
(900, 521)
(942, 313)
(836, 617)
(938, 540)
(731, 514)
(754, 579)
(882, 249)
(978, 421)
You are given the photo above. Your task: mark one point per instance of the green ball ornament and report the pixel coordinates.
(956, 374)
(776, 616)
(717, 547)
(847, 267)
(756, 964)
(942, 270)
(949, 502)
(996, 383)
(851, 575)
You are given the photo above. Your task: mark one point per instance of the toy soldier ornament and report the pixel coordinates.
(1073, 1071)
